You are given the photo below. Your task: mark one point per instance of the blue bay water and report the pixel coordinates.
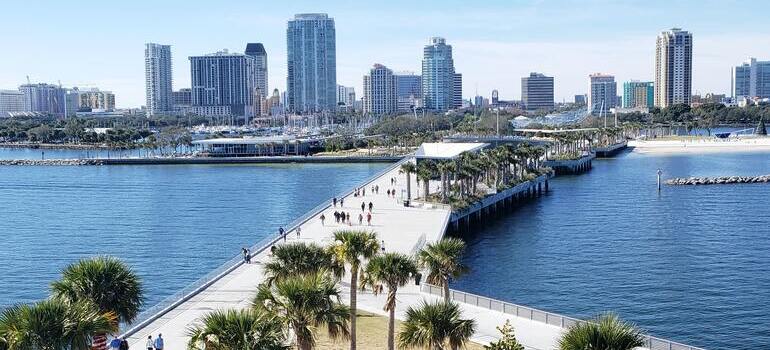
(173, 224)
(691, 264)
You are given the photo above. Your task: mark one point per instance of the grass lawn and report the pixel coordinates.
(372, 334)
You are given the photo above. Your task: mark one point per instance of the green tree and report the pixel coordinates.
(408, 168)
(607, 332)
(435, 326)
(304, 303)
(391, 271)
(507, 339)
(300, 259)
(443, 261)
(238, 330)
(354, 248)
(54, 325)
(106, 282)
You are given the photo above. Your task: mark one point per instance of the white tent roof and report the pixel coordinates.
(446, 150)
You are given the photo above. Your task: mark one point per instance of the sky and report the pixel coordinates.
(89, 43)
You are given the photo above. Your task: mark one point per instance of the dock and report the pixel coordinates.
(404, 229)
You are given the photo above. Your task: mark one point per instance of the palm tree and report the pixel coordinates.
(106, 282)
(303, 303)
(352, 248)
(433, 326)
(607, 332)
(238, 330)
(299, 259)
(425, 173)
(442, 259)
(445, 168)
(392, 270)
(408, 168)
(54, 325)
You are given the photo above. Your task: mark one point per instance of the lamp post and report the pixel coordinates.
(660, 172)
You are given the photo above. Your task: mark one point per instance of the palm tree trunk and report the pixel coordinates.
(392, 328)
(408, 187)
(100, 342)
(446, 289)
(353, 290)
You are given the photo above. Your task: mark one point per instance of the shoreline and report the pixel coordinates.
(701, 146)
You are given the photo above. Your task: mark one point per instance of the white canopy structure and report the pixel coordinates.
(446, 150)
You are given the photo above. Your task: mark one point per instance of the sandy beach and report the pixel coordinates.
(703, 145)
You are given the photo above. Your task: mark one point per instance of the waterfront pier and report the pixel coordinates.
(402, 228)
(571, 166)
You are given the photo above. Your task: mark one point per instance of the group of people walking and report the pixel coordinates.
(151, 344)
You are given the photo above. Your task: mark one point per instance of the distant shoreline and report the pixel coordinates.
(692, 146)
(67, 146)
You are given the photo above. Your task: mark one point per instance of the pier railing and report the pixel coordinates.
(536, 315)
(157, 311)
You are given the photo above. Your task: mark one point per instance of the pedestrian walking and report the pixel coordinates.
(323, 218)
(248, 255)
(299, 231)
(243, 251)
(347, 217)
(342, 202)
(363, 191)
(336, 217)
(115, 344)
(371, 206)
(159, 342)
(382, 246)
(149, 343)
(123, 344)
(369, 219)
(363, 206)
(377, 189)
(388, 192)
(360, 219)
(334, 201)
(282, 233)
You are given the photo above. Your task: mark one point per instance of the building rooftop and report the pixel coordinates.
(247, 140)
(440, 150)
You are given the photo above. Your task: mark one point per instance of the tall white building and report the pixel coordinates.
(311, 80)
(441, 85)
(44, 98)
(346, 96)
(380, 91)
(158, 78)
(603, 93)
(11, 101)
(673, 68)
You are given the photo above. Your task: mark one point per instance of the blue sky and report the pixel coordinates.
(496, 42)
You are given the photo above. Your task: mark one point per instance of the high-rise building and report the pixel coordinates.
(379, 91)
(11, 101)
(440, 84)
(90, 100)
(603, 93)
(223, 83)
(257, 50)
(752, 79)
(158, 78)
(537, 92)
(673, 68)
(346, 96)
(182, 98)
(495, 97)
(580, 99)
(408, 91)
(44, 98)
(638, 94)
(311, 63)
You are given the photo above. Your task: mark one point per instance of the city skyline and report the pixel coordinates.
(489, 46)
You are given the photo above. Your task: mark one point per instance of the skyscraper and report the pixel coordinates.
(752, 79)
(537, 92)
(440, 84)
(379, 91)
(638, 94)
(311, 63)
(603, 93)
(408, 91)
(257, 50)
(457, 91)
(45, 99)
(158, 78)
(673, 68)
(346, 96)
(11, 101)
(223, 83)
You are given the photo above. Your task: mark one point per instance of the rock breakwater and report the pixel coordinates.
(722, 180)
(50, 162)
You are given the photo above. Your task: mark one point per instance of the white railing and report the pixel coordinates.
(169, 303)
(546, 317)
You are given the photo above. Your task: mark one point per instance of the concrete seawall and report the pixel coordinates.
(197, 160)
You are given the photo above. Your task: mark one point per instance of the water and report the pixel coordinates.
(691, 264)
(173, 224)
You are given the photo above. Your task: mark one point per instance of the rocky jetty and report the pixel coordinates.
(51, 162)
(719, 180)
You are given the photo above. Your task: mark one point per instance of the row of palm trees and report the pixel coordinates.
(497, 168)
(300, 297)
(90, 300)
